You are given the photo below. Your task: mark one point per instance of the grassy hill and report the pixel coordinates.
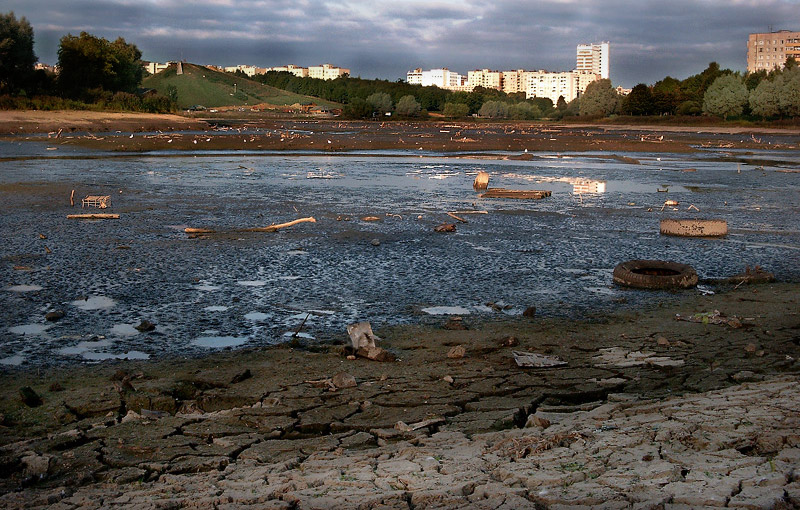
(203, 86)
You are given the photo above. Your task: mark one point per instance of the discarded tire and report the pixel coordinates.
(655, 274)
(694, 228)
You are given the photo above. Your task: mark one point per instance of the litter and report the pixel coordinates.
(534, 360)
(714, 317)
(99, 201)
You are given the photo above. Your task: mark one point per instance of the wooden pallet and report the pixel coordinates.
(99, 201)
(514, 193)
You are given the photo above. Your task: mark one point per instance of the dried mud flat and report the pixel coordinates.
(649, 412)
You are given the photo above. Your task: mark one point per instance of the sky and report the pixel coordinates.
(386, 38)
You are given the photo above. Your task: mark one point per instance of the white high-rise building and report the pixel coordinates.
(442, 78)
(593, 58)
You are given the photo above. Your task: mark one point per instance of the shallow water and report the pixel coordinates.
(248, 289)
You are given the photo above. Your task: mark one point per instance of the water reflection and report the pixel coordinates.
(588, 186)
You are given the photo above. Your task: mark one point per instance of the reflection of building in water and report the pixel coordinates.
(589, 187)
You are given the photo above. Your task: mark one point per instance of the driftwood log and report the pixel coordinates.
(271, 228)
(518, 194)
(95, 216)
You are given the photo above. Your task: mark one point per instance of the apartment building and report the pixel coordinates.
(248, 70)
(768, 51)
(568, 85)
(154, 67)
(327, 72)
(300, 72)
(486, 79)
(442, 78)
(593, 58)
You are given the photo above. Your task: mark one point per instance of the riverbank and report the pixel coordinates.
(308, 427)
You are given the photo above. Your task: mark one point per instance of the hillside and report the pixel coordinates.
(203, 86)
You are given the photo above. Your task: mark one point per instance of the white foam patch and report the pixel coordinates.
(256, 316)
(215, 308)
(219, 342)
(206, 287)
(24, 288)
(94, 303)
(29, 329)
(447, 310)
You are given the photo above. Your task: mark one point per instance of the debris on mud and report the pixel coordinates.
(715, 317)
(535, 360)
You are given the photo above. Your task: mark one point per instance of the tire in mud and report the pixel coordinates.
(694, 228)
(655, 274)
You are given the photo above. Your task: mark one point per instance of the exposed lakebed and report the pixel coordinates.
(245, 288)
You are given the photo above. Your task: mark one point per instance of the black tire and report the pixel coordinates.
(655, 274)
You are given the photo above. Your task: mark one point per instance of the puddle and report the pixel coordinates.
(256, 316)
(252, 283)
(24, 288)
(447, 310)
(219, 342)
(124, 330)
(103, 356)
(215, 308)
(290, 334)
(94, 303)
(12, 361)
(83, 347)
(29, 329)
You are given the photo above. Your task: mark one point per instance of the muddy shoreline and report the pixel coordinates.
(704, 411)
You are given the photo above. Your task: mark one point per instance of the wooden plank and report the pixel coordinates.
(96, 216)
(518, 194)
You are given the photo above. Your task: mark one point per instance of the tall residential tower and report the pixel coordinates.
(770, 50)
(593, 58)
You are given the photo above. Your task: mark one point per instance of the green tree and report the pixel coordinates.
(599, 99)
(16, 53)
(381, 102)
(561, 104)
(639, 101)
(494, 110)
(666, 95)
(725, 97)
(87, 62)
(765, 99)
(455, 110)
(358, 109)
(790, 92)
(408, 106)
(524, 111)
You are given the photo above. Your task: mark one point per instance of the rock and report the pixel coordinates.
(529, 312)
(56, 386)
(375, 242)
(537, 421)
(361, 335)
(370, 218)
(29, 397)
(457, 352)
(663, 342)
(145, 326)
(351, 357)
(509, 341)
(375, 354)
(455, 324)
(344, 380)
(54, 315)
(481, 181)
(242, 376)
(447, 379)
(36, 465)
(445, 227)
(750, 348)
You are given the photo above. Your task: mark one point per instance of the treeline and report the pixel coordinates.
(719, 92)
(93, 73)
(368, 98)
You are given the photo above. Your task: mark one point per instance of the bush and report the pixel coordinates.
(524, 111)
(455, 110)
(408, 106)
(494, 110)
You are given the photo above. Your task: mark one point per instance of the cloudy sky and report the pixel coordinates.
(385, 38)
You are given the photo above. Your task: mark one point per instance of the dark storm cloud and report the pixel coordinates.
(384, 38)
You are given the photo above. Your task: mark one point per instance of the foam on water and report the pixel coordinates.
(215, 308)
(124, 330)
(94, 303)
(24, 288)
(29, 329)
(447, 310)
